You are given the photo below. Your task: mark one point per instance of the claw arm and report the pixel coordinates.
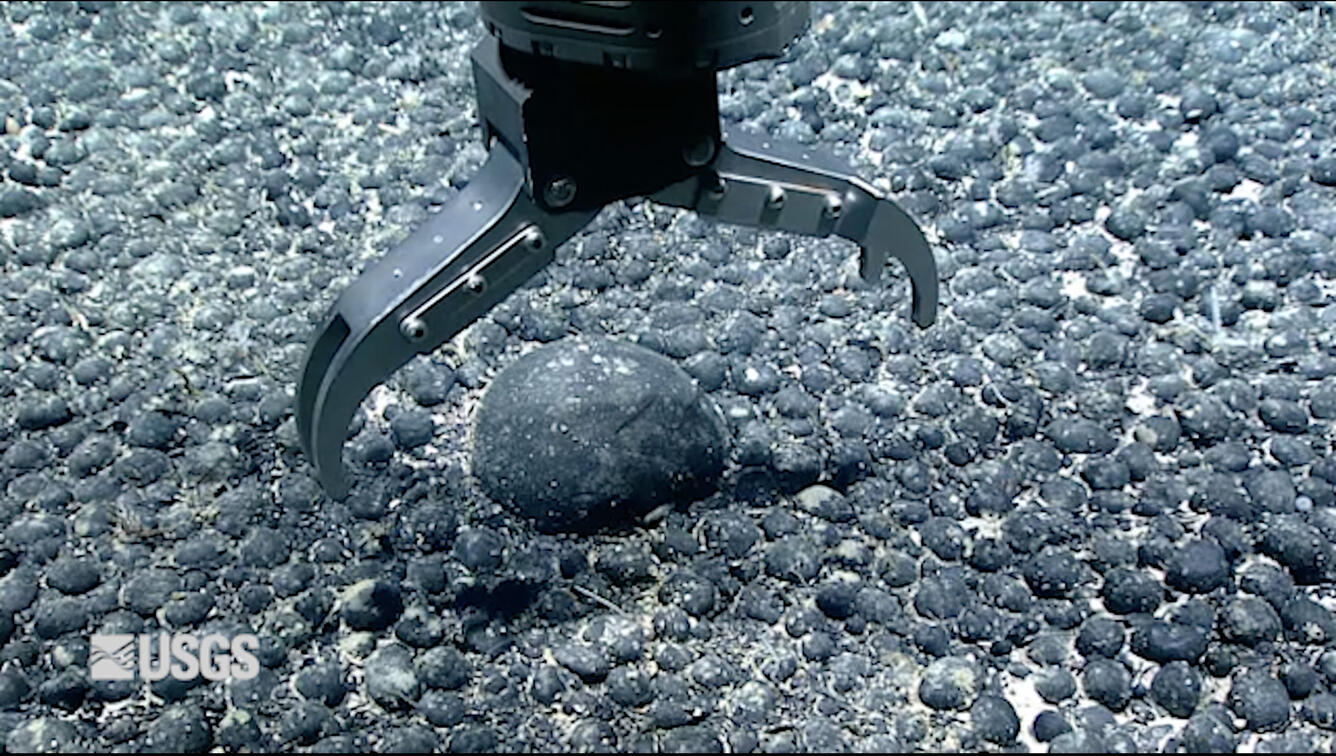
(482, 246)
(753, 185)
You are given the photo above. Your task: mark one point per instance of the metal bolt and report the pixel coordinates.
(775, 199)
(700, 152)
(834, 206)
(718, 188)
(476, 283)
(413, 329)
(534, 238)
(560, 191)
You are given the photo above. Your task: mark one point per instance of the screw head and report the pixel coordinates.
(834, 206)
(717, 188)
(560, 191)
(534, 238)
(413, 329)
(775, 199)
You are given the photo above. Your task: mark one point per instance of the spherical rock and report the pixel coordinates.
(1177, 687)
(372, 605)
(1049, 725)
(1261, 700)
(950, 683)
(180, 729)
(43, 735)
(390, 678)
(582, 430)
(995, 720)
(1107, 682)
(1198, 567)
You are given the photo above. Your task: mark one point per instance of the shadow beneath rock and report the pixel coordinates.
(505, 600)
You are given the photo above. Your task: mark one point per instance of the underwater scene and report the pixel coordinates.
(682, 377)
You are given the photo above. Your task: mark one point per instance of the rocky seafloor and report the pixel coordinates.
(1092, 508)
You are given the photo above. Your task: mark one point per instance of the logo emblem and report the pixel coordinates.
(111, 657)
(150, 657)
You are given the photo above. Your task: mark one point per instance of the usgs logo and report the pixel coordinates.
(183, 656)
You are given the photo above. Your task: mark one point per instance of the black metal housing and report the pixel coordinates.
(582, 126)
(665, 38)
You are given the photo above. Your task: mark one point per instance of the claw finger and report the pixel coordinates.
(893, 231)
(332, 388)
(457, 266)
(361, 344)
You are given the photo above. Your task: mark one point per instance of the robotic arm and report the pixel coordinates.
(584, 104)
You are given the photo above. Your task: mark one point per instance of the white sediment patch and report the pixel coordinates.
(1139, 399)
(1246, 189)
(1028, 704)
(1072, 284)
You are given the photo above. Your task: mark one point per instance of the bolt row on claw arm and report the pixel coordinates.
(582, 105)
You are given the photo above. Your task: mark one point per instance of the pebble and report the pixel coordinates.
(444, 668)
(1177, 687)
(1055, 685)
(1321, 710)
(589, 661)
(479, 549)
(1209, 731)
(44, 735)
(1307, 621)
(180, 728)
(321, 682)
(691, 739)
(1052, 574)
(1162, 642)
(472, 737)
(1108, 682)
(1300, 548)
(1300, 679)
(371, 605)
(412, 429)
(994, 719)
(950, 684)
(1261, 700)
(14, 687)
(1100, 636)
(15, 202)
(1283, 416)
(1103, 83)
(1078, 741)
(264, 547)
(1249, 621)
(1323, 171)
(1198, 567)
(149, 591)
(941, 597)
(1080, 436)
(39, 413)
(428, 383)
(1049, 724)
(390, 678)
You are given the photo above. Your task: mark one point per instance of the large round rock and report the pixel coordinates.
(585, 431)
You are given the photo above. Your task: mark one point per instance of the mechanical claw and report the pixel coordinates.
(755, 186)
(483, 245)
(585, 104)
